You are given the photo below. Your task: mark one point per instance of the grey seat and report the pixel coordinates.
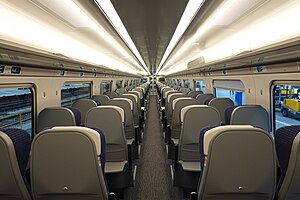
(201, 98)
(221, 104)
(184, 91)
(169, 102)
(142, 101)
(101, 98)
(287, 140)
(58, 116)
(131, 131)
(164, 95)
(135, 113)
(137, 94)
(111, 95)
(254, 115)
(121, 91)
(187, 163)
(14, 153)
(174, 135)
(194, 94)
(84, 105)
(72, 169)
(118, 167)
(240, 164)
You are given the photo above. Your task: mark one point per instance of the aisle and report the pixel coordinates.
(153, 178)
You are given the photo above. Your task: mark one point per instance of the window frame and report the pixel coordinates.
(76, 82)
(272, 99)
(32, 88)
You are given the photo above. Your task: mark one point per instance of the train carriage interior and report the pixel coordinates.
(149, 99)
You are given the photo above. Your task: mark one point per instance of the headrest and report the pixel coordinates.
(142, 89)
(169, 97)
(136, 92)
(167, 92)
(84, 102)
(92, 134)
(186, 108)
(162, 88)
(178, 99)
(124, 99)
(120, 110)
(210, 134)
(135, 97)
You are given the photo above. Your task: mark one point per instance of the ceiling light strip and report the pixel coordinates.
(108, 9)
(188, 15)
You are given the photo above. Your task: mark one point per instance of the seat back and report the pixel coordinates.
(287, 140)
(83, 105)
(201, 98)
(137, 94)
(184, 91)
(121, 91)
(14, 153)
(58, 116)
(169, 103)
(193, 119)
(101, 98)
(141, 94)
(110, 120)
(111, 95)
(72, 169)
(177, 105)
(135, 112)
(194, 94)
(254, 115)
(127, 106)
(221, 104)
(240, 164)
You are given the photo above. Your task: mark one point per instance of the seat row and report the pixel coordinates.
(236, 161)
(66, 137)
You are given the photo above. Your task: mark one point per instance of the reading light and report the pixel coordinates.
(109, 11)
(189, 13)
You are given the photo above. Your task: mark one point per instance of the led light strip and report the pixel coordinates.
(108, 9)
(188, 15)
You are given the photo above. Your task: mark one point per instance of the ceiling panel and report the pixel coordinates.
(151, 24)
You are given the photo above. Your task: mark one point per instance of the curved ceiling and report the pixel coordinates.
(151, 24)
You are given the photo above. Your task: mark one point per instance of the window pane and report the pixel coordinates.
(287, 105)
(237, 97)
(16, 108)
(105, 87)
(119, 84)
(73, 92)
(187, 83)
(200, 86)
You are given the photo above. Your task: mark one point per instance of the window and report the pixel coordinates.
(179, 83)
(286, 102)
(187, 83)
(71, 92)
(16, 108)
(119, 84)
(230, 89)
(105, 86)
(199, 85)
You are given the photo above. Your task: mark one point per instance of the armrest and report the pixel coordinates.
(137, 135)
(168, 135)
(176, 157)
(165, 124)
(193, 196)
(111, 196)
(129, 156)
